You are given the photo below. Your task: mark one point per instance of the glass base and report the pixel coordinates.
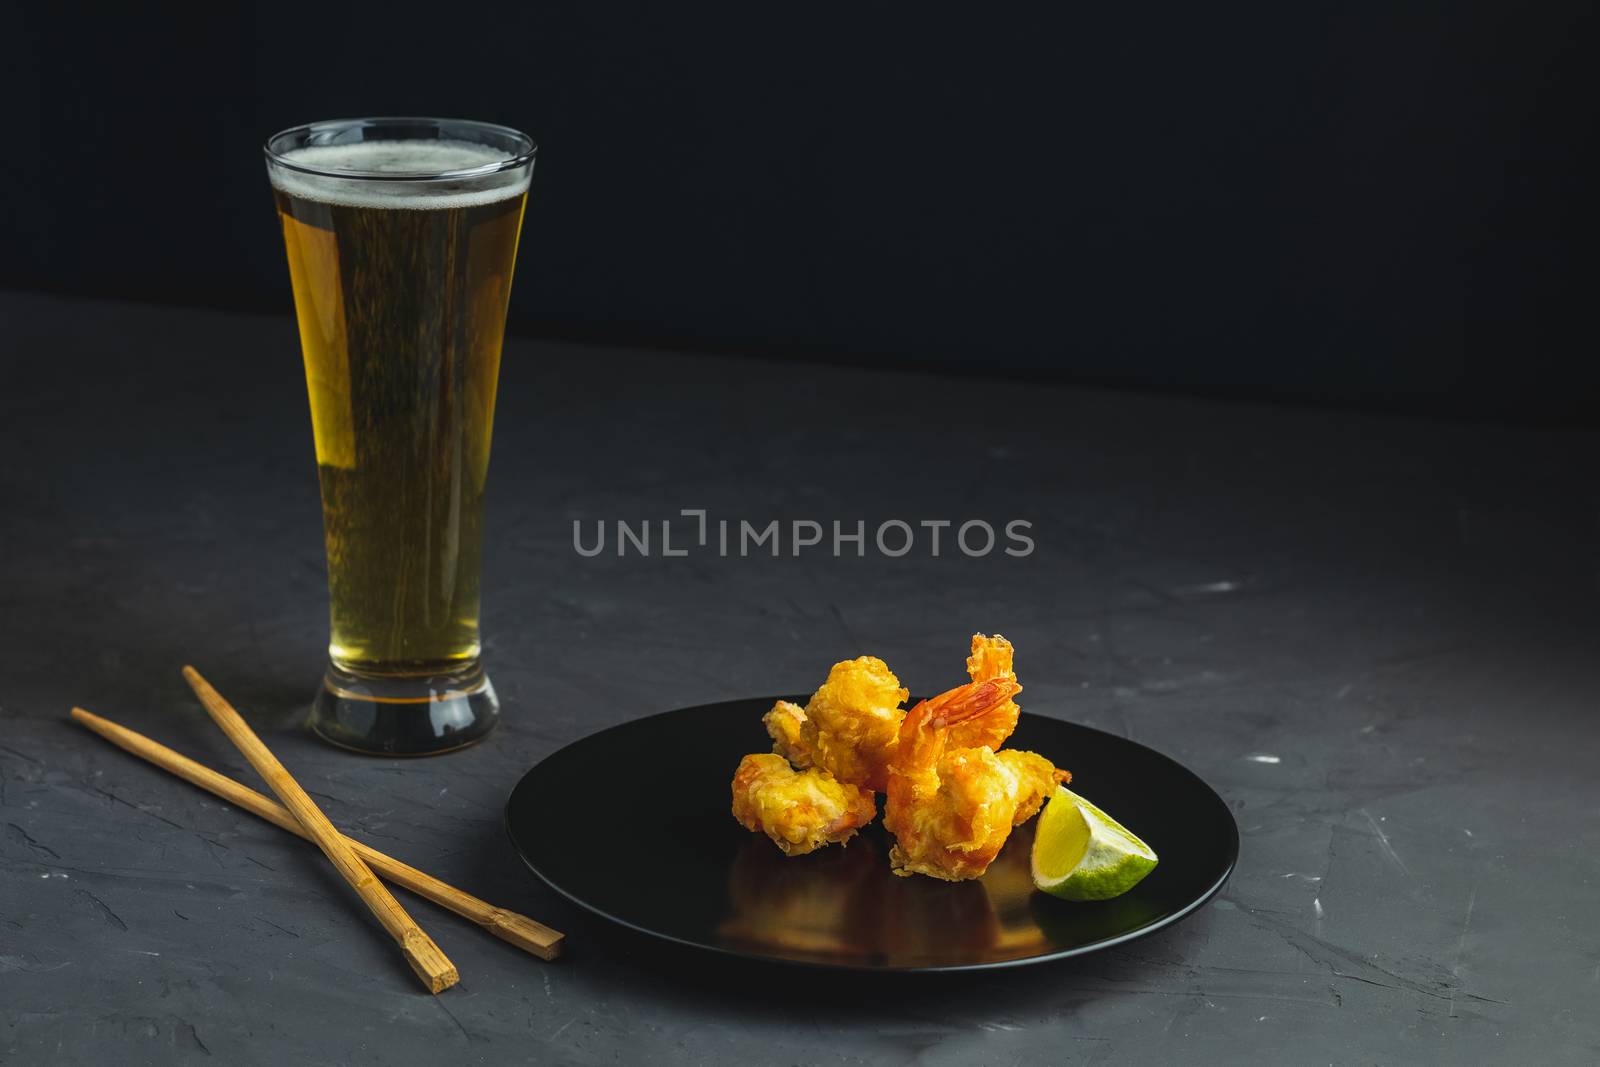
(388, 715)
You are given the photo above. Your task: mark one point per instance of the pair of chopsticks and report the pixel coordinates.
(355, 861)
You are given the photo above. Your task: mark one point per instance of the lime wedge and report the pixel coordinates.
(1081, 853)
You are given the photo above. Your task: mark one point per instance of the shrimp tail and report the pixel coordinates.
(970, 701)
(923, 733)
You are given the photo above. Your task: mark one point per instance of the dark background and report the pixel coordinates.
(1381, 204)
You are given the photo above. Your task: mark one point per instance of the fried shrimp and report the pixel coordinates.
(799, 810)
(1036, 778)
(991, 659)
(784, 724)
(951, 809)
(851, 724)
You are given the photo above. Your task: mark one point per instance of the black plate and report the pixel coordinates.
(633, 824)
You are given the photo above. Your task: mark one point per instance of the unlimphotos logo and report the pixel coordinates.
(974, 538)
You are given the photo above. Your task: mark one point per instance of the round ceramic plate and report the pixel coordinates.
(633, 823)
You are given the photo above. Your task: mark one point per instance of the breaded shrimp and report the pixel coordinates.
(784, 724)
(852, 722)
(991, 658)
(1036, 779)
(951, 809)
(799, 810)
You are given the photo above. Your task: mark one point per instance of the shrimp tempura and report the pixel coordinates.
(784, 724)
(799, 810)
(991, 659)
(951, 809)
(852, 722)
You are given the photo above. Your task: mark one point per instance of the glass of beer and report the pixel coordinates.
(401, 235)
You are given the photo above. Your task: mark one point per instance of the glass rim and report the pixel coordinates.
(520, 158)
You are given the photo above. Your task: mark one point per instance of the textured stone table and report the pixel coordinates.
(1378, 638)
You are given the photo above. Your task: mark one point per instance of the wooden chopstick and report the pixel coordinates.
(519, 930)
(425, 957)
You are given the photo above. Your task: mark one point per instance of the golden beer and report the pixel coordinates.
(401, 280)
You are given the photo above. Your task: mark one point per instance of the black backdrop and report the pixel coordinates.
(1378, 202)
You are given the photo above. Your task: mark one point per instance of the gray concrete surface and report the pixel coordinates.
(1377, 637)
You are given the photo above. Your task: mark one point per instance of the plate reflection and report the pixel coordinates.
(842, 906)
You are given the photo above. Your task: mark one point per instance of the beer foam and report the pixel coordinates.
(399, 158)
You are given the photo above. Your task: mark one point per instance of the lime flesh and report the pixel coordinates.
(1081, 853)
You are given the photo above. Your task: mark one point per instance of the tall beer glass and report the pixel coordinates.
(401, 236)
